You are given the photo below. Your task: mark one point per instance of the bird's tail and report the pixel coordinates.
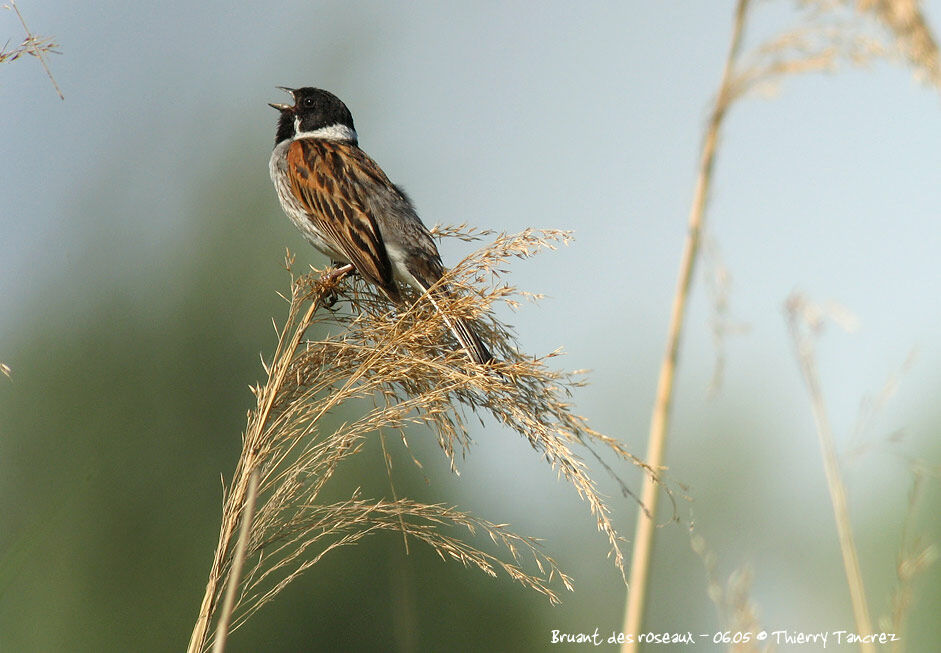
(469, 340)
(461, 328)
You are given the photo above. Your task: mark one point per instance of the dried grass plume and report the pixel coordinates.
(404, 363)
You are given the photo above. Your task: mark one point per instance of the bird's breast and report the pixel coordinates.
(277, 167)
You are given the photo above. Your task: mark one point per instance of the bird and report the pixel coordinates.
(345, 206)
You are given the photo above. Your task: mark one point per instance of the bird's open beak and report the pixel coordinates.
(283, 107)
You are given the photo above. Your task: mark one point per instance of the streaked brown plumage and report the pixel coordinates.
(324, 182)
(346, 207)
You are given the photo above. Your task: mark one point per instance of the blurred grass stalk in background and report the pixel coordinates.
(829, 31)
(805, 321)
(398, 370)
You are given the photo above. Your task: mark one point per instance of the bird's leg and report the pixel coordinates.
(330, 297)
(339, 273)
(340, 264)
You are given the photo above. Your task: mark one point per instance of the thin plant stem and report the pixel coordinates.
(278, 373)
(659, 420)
(238, 561)
(38, 51)
(831, 466)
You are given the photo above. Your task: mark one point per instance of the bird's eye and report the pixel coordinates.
(307, 102)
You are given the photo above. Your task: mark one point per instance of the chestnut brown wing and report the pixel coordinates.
(328, 179)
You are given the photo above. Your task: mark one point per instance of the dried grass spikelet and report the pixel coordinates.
(916, 553)
(36, 46)
(913, 38)
(31, 45)
(738, 614)
(831, 32)
(404, 362)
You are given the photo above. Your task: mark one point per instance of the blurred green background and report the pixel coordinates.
(141, 254)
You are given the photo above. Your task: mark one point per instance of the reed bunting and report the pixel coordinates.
(346, 207)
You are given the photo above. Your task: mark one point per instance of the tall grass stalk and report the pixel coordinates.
(659, 420)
